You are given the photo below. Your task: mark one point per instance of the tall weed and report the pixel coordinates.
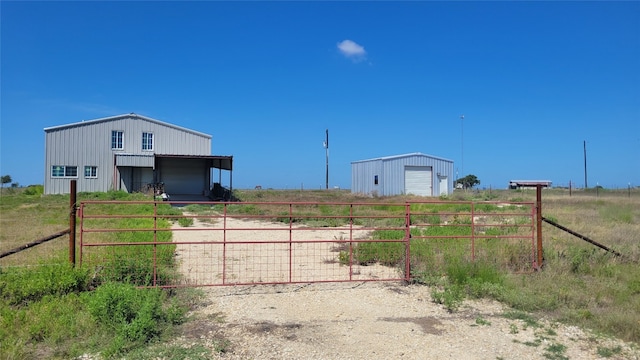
(20, 286)
(462, 279)
(136, 316)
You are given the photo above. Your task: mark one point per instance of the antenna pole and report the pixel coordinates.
(462, 141)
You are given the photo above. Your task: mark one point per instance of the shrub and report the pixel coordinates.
(185, 222)
(34, 190)
(136, 316)
(451, 297)
(475, 279)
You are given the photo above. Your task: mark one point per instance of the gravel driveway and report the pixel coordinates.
(375, 320)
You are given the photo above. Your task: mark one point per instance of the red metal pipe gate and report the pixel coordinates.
(173, 244)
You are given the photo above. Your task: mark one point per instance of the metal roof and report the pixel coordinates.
(529, 183)
(402, 156)
(124, 116)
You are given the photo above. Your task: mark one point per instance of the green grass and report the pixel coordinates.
(49, 310)
(464, 279)
(528, 319)
(22, 286)
(135, 316)
(555, 351)
(54, 310)
(482, 321)
(607, 352)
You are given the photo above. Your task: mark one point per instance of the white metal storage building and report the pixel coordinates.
(128, 152)
(414, 173)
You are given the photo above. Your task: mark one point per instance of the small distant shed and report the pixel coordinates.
(519, 184)
(415, 173)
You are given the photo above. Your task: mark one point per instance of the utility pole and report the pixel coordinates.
(326, 147)
(585, 165)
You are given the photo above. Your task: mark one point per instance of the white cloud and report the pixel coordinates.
(352, 50)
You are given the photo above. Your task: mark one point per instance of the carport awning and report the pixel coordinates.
(214, 161)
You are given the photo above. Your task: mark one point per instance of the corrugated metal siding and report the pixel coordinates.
(135, 160)
(363, 175)
(89, 144)
(392, 172)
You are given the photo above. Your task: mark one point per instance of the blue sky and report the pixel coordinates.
(534, 80)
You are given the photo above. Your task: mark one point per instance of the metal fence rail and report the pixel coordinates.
(214, 244)
(498, 233)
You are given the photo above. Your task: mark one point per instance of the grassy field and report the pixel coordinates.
(44, 309)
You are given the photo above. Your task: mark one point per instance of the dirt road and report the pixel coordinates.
(375, 320)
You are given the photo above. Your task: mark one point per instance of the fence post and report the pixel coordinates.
(290, 242)
(407, 245)
(473, 233)
(72, 222)
(539, 223)
(155, 243)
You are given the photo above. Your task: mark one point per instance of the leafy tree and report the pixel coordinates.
(468, 181)
(6, 179)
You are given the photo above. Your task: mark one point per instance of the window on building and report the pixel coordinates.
(117, 140)
(71, 171)
(57, 171)
(64, 171)
(375, 179)
(90, 171)
(147, 141)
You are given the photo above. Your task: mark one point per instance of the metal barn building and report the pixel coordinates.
(415, 173)
(129, 152)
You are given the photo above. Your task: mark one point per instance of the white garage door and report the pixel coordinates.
(417, 180)
(187, 177)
